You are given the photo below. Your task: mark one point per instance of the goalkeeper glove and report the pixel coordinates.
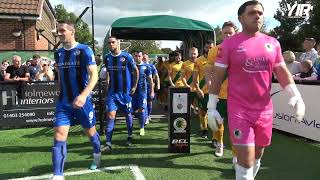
(296, 101)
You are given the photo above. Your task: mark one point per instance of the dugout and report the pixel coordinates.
(192, 33)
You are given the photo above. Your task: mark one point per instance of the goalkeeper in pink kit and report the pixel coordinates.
(250, 58)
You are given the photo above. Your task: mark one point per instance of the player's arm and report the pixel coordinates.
(169, 76)
(157, 79)
(92, 69)
(287, 83)
(93, 79)
(195, 77)
(184, 77)
(135, 75)
(150, 81)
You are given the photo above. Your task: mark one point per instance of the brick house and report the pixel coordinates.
(27, 25)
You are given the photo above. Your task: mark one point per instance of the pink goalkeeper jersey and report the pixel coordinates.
(250, 62)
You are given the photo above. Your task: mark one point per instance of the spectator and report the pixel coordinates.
(17, 72)
(99, 64)
(34, 67)
(310, 53)
(306, 68)
(290, 60)
(55, 72)
(3, 67)
(5, 63)
(45, 73)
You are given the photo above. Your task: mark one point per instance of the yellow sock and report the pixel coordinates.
(205, 122)
(234, 152)
(218, 135)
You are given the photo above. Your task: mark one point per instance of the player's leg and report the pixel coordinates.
(95, 141)
(110, 121)
(87, 117)
(202, 103)
(218, 135)
(263, 134)
(59, 149)
(243, 139)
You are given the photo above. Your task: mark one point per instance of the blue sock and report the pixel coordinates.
(129, 124)
(109, 130)
(59, 155)
(142, 118)
(149, 106)
(95, 141)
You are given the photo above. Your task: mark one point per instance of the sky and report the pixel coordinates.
(214, 12)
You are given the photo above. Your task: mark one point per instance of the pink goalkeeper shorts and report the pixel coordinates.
(249, 129)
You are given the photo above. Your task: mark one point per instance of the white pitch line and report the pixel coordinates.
(136, 172)
(134, 169)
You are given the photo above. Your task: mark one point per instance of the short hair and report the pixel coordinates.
(15, 57)
(307, 64)
(112, 36)
(310, 39)
(290, 55)
(36, 56)
(176, 53)
(209, 41)
(230, 24)
(69, 23)
(243, 7)
(5, 61)
(193, 49)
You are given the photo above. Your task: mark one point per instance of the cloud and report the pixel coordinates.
(213, 12)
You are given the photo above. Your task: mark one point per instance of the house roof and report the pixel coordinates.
(21, 7)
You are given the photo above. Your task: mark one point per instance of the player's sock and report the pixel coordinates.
(149, 106)
(243, 173)
(218, 135)
(109, 130)
(129, 124)
(95, 141)
(256, 167)
(234, 153)
(59, 155)
(142, 116)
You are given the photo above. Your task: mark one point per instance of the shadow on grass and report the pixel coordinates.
(147, 162)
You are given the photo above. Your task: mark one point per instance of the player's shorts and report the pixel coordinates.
(250, 129)
(139, 101)
(66, 115)
(202, 102)
(118, 101)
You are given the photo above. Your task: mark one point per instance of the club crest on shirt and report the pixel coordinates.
(123, 59)
(237, 133)
(268, 47)
(77, 52)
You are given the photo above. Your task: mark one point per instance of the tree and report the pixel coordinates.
(148, 46)
(311, 28)
(292, 31)
(166, 50)
(83, 34)
(217, 31)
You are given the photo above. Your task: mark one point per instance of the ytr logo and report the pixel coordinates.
(301, 10)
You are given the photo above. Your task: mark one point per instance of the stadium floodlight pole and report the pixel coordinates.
(92, 21)
(83, 12)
